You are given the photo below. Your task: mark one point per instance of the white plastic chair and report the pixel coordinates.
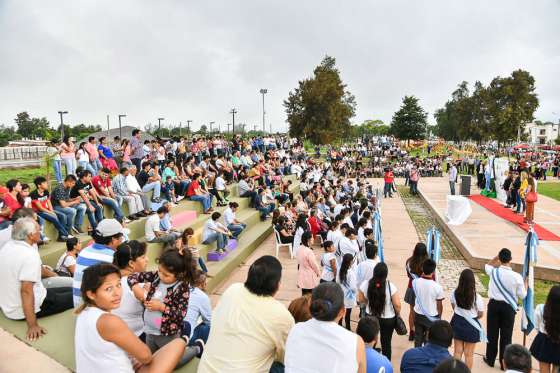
(279, 244)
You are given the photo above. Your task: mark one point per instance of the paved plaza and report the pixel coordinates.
(483, 234)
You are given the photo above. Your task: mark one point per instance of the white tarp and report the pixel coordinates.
(501, 167)
(458, 210)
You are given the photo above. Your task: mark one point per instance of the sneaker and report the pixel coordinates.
(186, 330)
(131, 217)
(126, 220)
(62, 239)
(200, 344)
(46, 240)
(156, 200)
(77, 230)
(180, 198)
(69, 236)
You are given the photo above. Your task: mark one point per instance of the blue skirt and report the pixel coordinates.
(544, 350)
(464, 331)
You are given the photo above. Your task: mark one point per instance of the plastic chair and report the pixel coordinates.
(279, 244)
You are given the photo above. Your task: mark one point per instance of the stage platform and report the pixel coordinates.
(484, 234)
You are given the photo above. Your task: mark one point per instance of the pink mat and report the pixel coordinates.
(183, 218)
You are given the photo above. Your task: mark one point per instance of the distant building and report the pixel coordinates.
(28, 142)
(540, 133)
(126, 134)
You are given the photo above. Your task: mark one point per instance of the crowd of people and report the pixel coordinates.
(130, 318)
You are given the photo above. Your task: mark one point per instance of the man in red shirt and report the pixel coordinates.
(41, 203)
(388, 177)
(102, 185)
(195, 193)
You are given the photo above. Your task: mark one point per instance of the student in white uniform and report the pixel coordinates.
(546, 345)
(130, 258)
(319, 344)
(103, 342)
(365, 268)
(504, 290)
(348, 281)
(468, 308)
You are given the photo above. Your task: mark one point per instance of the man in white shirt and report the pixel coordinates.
(135, 189)
(506, 287)
(154, 233)
(347, 245)
(231, 222)
(215, 231)
(428, 306)
(452, 178)
(22, 294)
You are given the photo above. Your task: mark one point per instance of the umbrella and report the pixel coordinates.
(527, 317)
(433, 244)
(378, 235)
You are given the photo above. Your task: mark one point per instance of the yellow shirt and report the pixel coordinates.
(523, 188)
(248, 333)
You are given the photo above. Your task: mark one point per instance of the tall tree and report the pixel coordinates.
(320, 108)
(32, 127)
(410, 121)
(7, 134)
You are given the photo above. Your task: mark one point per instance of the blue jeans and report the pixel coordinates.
(206, 201)
(452, 187)
(69, 215)
(109, 202)
(236, 229)
(87, 166)
(95, 165)
(202, 331)
(57, 165)
(53, 218)
(94, 217)
(155, 186)
(202, 265)
(220, 238)
(70, 164)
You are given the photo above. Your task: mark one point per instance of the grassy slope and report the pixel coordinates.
(551, 190)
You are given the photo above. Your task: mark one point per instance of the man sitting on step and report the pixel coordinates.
(154, 232)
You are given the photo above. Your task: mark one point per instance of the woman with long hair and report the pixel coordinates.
(127, 150)
(301, 226)
(546, 345)
(106, 155)
(414, 270)
(383, 302)
(308, 269)
(530, 211)
(468, 308)
(68, 155)
(348, 281)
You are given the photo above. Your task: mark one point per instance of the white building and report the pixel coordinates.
(542, 133)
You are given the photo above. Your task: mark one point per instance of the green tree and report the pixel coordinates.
(32, 127)
(410, 121)
(320, 108)
(7, 134)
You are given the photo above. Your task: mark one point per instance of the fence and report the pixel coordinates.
(22, 153)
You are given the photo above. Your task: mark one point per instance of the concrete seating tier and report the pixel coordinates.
(59, 341)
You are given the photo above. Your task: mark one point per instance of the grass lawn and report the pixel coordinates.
(542, 287)
(551, 190)
(25, 175)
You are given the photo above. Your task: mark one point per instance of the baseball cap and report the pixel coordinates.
(110, 227)
(3, 189)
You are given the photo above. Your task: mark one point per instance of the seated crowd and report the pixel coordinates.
(131, 318)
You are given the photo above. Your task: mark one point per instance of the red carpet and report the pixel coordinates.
(498, 209)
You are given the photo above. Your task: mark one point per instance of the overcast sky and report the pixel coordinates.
(198, 59)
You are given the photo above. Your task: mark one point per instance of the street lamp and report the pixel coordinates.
(62, 124)
(263, 91)
(211, 123)
(120, 128)
(159, 124)
(233, 112)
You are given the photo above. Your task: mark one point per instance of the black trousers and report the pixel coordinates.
(500, 321)
(57, 300)
(386, 332)
(421, 326)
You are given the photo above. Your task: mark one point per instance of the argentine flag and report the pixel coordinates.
(378, 235)
(433, 244)
(527, 317)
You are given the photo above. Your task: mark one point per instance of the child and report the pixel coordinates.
(347, 280)
(221, 189)
(195, 252)
(428, 306)
(168, 188)
(199, 308)
(166, 301)
(328, 262)
(66, 264)
(103, 342)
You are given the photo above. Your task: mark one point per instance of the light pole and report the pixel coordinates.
(120, 128)
(228, 125)
(62, 124)
(211, 123)
(189, 126)
(233, 112)
(263, 91)
(159, 124)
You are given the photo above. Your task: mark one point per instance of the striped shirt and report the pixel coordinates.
(91, 255)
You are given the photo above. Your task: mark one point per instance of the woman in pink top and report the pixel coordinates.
(126, 161)
(68, 155)
(308, 269)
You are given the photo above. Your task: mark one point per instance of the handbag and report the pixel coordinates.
(400, 326)
(531, 197)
